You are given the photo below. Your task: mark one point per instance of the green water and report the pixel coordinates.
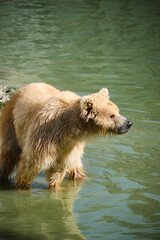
(82, 46)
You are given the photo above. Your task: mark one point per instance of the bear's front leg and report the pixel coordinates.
(77, 173)
(55, 178)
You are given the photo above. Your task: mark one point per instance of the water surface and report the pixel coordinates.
(83, 46)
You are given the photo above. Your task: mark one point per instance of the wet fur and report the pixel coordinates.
(44, 129)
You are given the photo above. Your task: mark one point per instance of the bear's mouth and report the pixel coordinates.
(118, 131)
(122, 130)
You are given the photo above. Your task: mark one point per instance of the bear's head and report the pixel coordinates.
(102, 115)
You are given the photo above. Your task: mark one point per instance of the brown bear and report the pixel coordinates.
(44, 129)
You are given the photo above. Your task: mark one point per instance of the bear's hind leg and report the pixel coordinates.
(10, 152)
(25, 175)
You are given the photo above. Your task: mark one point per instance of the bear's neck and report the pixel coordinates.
(68, 126)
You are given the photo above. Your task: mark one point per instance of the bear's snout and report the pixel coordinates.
(125, 127)
(129, 123)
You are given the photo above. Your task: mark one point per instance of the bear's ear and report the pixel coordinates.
(86, 105)
(104, 92)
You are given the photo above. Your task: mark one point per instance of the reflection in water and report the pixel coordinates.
(39, 215)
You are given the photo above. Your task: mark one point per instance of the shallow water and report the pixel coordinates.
(83, 46)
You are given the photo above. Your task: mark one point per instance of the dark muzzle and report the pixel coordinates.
(125, 127)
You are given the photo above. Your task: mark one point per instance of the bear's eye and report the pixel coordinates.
(112, 116)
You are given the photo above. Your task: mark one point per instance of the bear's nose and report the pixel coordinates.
(129, 123)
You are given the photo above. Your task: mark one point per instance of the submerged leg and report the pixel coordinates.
(25, 175)
(55, 178)
(77, 173)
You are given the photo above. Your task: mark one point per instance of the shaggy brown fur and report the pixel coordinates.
(44, 129)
